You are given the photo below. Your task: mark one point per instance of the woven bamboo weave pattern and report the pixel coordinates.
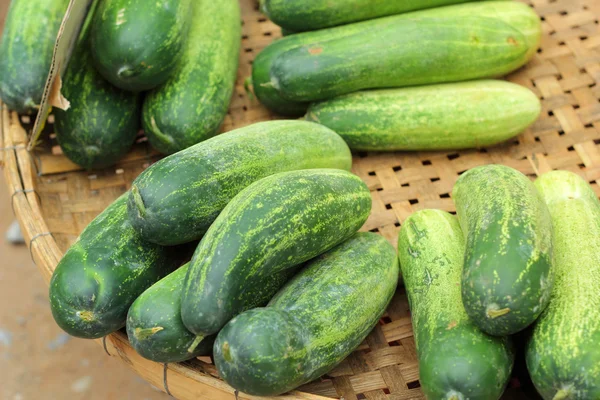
(54, 199)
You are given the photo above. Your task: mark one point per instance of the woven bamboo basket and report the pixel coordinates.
(54, 199)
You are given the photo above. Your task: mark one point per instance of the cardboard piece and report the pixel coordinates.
(63, 48)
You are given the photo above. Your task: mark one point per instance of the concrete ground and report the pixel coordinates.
(39, 360)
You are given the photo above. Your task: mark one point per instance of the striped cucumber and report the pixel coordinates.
(508, 275)
(482, 113)
(26, 51)
(102, 122)
(191, 105)
(164, 205)
(313, 323)
(456, 360)
(265, 231)
(517, 15)
(563, 356)
(154, 324)
(137, 44)
(310, 15)
(104, 271)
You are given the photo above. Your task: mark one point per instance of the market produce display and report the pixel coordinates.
(456, 359)
(461, 115)
(244, 246)
(267, 229)
(507, 273)
(28, 40)
(149, 37)
(191, 105)
(563, 356)
(163, 203)
(313, 323)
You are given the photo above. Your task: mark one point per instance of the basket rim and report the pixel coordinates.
(184, 381)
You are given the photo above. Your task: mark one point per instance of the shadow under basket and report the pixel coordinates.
(54, 199)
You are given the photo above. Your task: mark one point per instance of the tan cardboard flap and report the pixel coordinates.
(65, 41)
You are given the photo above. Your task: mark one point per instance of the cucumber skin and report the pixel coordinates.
(102, 122)
(218, 169)
(28, 40)
(159, 307)
(300, 16)
(484, 113)
(313, 323)
(103, 272)
(563, 351)
(150, 37)
(455, 357)
(515, 14)
(191, 105)
(508, 258)
(414, 52)
(268, 229)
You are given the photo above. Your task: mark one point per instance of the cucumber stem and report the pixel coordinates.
(142, 334)
(562, 394)
(497, 313)
(139, 202)
(226, 352)
(195, 343)
(248, 88)
(86, 316)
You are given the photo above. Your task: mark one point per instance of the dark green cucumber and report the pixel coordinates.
(265, 84)
(563, 355)
(102, 121)
(508, 275)
(176, 199)
(313, 323)
(456, 360)
(310, 15)
(269, 228)
(191, 105)
(154, 324)
(136, 44)
(482, 113)
(26, 51)
(103, 272)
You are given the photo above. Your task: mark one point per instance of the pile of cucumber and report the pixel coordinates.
(245, 246)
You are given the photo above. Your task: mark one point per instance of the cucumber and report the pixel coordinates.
(268, 229)
(26, 51)
(483, 113)
(136, 44)
(266, 84)
(164, 202)
(313, 323)
(310, 15)
(102, 122)
(563, 357)
(154, 325)
(508, 275)
(191, 105)
(103, 272)
(456, 360)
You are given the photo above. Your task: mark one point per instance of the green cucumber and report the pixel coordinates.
(103, 272)
(26, 51)
(484, 113)
(313, 323)
(508, 275)
(563, 356)
(102, 121)
(136, 44)
(310, 15)
(191, 106)
(266, 83)
(268, 229)
(176, 199)
(456, 360)
(154, 324)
